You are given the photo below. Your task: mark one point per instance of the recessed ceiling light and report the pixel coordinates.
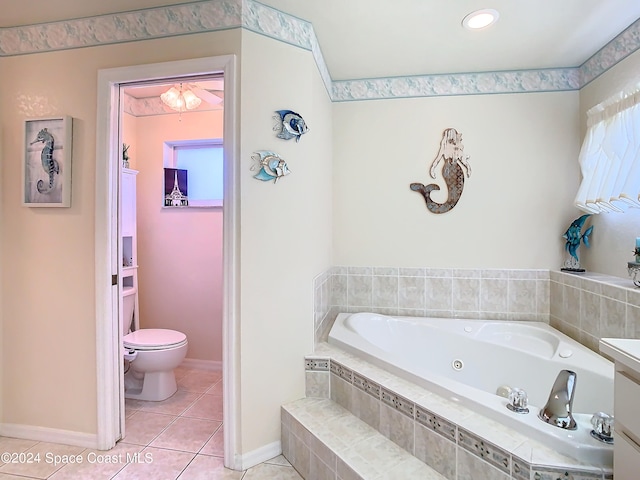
(480, 19)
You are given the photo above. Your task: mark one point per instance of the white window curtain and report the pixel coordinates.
(610, 155)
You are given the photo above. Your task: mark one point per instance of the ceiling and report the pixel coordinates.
(144, 98)
(378, 38)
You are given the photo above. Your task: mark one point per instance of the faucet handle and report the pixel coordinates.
(602, 427)
(518, 401)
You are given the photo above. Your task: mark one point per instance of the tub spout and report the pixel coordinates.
(557, 411)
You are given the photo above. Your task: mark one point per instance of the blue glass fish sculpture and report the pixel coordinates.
(270, 166)
(290, 125)
(574, 235)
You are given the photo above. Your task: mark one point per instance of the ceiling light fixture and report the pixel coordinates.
(480, 19)
(180, 100)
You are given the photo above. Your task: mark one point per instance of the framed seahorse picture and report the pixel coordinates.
(47, 162)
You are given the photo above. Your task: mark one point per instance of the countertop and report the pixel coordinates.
(623, 350)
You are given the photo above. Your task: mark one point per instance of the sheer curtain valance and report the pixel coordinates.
(610, 155)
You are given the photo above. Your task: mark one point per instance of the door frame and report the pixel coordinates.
(109, 375)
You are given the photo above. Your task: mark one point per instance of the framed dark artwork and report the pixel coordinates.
(175, 188)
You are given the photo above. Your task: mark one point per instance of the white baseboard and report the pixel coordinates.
(45, 434)
(214, 365)
(257, 456)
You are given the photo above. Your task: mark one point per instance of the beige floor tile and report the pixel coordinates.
(209, 468)
(264, 471)
(186, 434)
(279, 460)
(133, 404)
(174, 405)
(6, 476)
(216, 389)
(142, 427)
(180, 372)
(207, 406)
(156, 464)
(215, 445)
(129, 409)
(199, 381)
(42, 460)
(97, 464)
(14, 446)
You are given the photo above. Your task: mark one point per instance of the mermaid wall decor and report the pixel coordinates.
(455, 166)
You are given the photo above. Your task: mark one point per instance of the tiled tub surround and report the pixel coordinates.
(591, 306)
(431, 292)
(585, 307)
(453, 440)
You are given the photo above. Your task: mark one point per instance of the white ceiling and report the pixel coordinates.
(377, 38)
(144, 98)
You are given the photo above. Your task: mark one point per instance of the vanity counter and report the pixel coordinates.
(626, 453)
(622, 350)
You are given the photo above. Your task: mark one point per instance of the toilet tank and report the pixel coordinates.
(128, 305)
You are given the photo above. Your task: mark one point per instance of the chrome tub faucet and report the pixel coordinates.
(557, 411)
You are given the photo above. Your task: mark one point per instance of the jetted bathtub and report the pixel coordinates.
(469, 360)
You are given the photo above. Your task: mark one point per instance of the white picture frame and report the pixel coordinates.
(46, 168)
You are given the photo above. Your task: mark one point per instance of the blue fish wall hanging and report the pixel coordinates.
(455, 165)
(289, 125)
(270, 166)
(574, 236)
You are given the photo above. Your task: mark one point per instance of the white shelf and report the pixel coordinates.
(129, 234)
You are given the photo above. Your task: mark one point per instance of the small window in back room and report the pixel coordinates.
(203, 161)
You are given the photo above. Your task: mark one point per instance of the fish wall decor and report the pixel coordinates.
(289, 125)
(270, 166)
(574, 235)
(455, 165)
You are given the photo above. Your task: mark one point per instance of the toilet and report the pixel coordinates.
(152, 354)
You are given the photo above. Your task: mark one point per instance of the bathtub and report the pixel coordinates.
(468, 360)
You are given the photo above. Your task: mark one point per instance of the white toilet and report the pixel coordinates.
(152, 353)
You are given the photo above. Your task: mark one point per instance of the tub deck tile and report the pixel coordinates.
(351, 449)
(502, 436)
(542, 473)
(540, 456)
(363, 383)
(401, 404)
(437, 424)
(484, 449)
(436, 451)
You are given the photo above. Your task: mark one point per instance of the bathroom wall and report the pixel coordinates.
(514, 208)
(48, 271)
(179, 250)
(614, 234)
(285, 234)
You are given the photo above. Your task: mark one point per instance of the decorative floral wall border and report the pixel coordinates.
(217, 15)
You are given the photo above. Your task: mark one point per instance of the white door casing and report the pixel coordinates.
(110, 390)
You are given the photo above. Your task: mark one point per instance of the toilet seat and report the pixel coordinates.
(154, 339)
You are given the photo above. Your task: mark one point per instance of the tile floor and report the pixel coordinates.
(179, 438)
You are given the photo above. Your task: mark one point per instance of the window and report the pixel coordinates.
(610, 155)
(203, 161)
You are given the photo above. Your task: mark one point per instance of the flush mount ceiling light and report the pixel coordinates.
(480, 19)
(180, 100)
